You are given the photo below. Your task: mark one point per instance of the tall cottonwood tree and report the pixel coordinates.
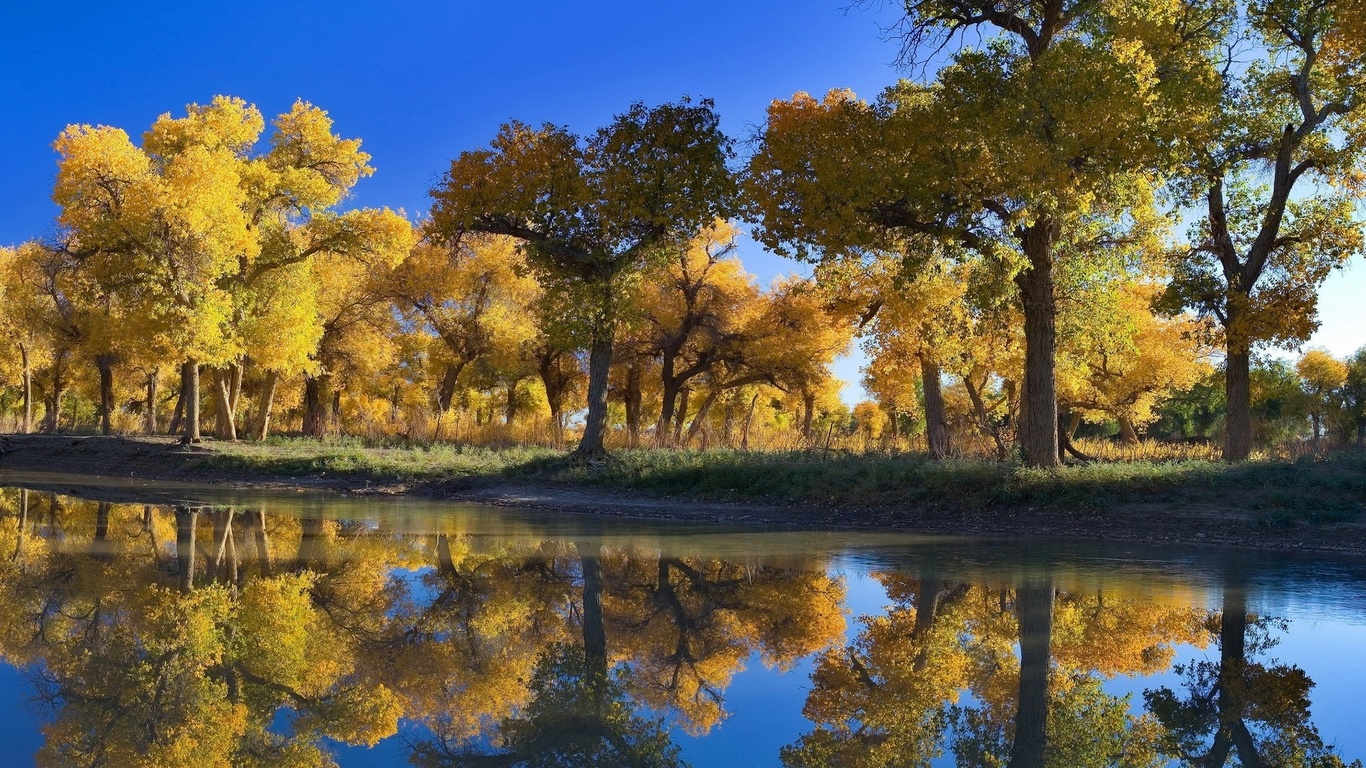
(1270, 179)
(1003, 153)
(594, 209)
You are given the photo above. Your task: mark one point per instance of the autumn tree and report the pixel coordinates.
(1321, 376)
(1266, 242)
(1003, 154)
(594, 209)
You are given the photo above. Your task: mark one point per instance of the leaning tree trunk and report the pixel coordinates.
(1034, 609)
(190, 377)
(1039, 413)
(1127, 434)
(224, 419)
(267, 403)
(105, 364)
(592, 444)
(1238, 415)
(936, 420)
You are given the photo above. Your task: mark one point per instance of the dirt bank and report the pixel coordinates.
(1226, 522)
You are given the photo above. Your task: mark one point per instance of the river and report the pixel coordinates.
(159, 625)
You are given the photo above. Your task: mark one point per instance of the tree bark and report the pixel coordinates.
(592, 444)
(52, 403)
(1127, 434)
(1034, 609)
(190, 374)
(315, 406)
(26, 425)
(808, 413)
(510, 413)
(632, 399)
(684, 397)
(153, 393)
(105, 364)
(224, 417)
(178, 413)
(936, 420)
(749, 419)
(267, 403)
(1039, 414)
(1238, 414)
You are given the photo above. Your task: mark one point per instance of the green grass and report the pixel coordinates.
(1325, 490)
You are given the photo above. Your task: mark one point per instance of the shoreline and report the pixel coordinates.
(116, 466)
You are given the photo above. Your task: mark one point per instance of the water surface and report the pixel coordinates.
(249, 629)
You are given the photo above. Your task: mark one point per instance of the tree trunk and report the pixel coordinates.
(669, 402)
(178, 413)
(936, 420)
(224, 417)
(510, 414)
(594, 630)
(26, 425)
(1034, 609)
(700, 420)
(808, 413)
(592, 444)
(684, 396)
(1074, 422)
(446, 392)
(749, 419)
(236, 370)
(190, 374)
(1039, 414)
(1127, 434)
(315, 406)
(334, 418)
(267, 403)
(1238, 415)
(631, 401)
(104, 363)
(153, 393)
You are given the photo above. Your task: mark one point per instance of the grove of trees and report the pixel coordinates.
(1094, 219)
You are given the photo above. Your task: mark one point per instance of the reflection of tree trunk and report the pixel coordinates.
(1034, 609)
(445, 565)
(936, 420)
(23, 523)
(224, 555)
(594, 630)
(190, 372)
(267, 403)
(101, 529)
(1232, 732)
(185, 521)
(310, 543)
(262, 543)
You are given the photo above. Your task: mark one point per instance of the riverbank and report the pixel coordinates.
(1303, 505)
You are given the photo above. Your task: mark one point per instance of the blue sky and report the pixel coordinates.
(419, 82)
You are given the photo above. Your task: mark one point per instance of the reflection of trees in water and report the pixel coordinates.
(1237, 707)
(941, 671)
(178, 637)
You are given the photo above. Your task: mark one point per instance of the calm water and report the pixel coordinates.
(175, 627)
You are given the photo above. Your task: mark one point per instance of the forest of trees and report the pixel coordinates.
(1096, 219)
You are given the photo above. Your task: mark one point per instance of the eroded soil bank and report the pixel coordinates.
(1323, 510)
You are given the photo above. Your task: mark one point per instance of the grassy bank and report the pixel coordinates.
(1330, 489)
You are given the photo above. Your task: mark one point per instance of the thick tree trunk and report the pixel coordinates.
(936, 420)
(510, 413)
(334, 418)
(1127, 434)
(1074, 422)
(1238, 415)
(267, 403)
(190, 374)
(592, 444)
(594, 630)
(684, 396)
(153, 394)
(1034, 609)
(315, 406)
(236, 371)
(185, 523)
(668, 404)
(700, 420)
(1039, 414)
(26, 424)
(105, 365)
(178, 413)
(446, 391)
(224, 417)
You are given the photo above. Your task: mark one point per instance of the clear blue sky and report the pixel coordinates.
(419, 82)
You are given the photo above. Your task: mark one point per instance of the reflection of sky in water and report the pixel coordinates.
(1321, 597)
